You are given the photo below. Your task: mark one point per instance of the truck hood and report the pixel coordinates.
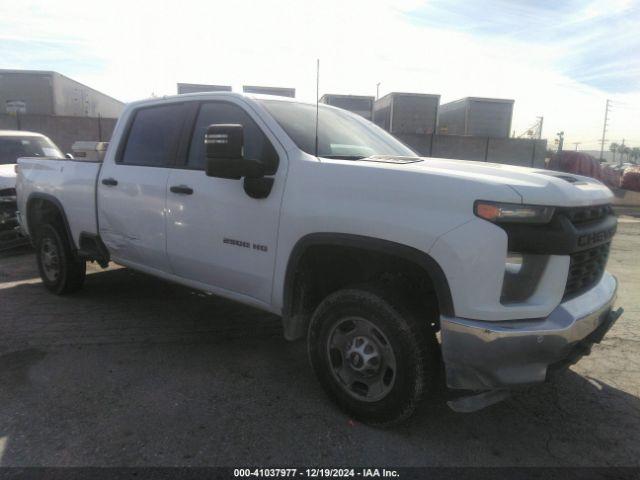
(534, 186)
(7, 176)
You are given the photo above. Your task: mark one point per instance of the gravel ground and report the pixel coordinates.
(135, 371)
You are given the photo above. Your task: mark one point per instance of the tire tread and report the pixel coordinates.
(422, 342)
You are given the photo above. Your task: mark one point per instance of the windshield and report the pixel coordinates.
(14, 147)
(340, 134)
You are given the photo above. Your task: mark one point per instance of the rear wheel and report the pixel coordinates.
(371, 355)
(59, 270)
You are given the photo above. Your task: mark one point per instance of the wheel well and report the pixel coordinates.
(323, 269)
(41, 211)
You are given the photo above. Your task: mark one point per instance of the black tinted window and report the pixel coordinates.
(256, 145)
(153, 135)
(340, 133)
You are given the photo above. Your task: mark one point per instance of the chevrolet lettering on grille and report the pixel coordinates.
(596, 237)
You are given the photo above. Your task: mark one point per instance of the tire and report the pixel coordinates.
(342, 349)
(61, 272)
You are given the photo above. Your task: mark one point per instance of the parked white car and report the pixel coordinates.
(386, 262)
(13, 145)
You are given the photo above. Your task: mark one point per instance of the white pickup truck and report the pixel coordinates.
(389, 264)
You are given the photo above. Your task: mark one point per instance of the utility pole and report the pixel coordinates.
(540, 122)
(377, 90)
(621, 151)
(604, 129)
(560, 141)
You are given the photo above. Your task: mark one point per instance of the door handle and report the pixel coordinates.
(182, 189)
(111, 182)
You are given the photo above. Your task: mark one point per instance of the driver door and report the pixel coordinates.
(217, 234)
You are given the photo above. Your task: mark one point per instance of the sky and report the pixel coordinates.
(558, 59)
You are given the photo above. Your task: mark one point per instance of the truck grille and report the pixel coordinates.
(580, 215)
(586, 269)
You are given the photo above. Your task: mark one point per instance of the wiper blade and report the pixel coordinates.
(344, 157)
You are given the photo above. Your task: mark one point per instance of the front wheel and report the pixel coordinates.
(371, 355)
(59, 270)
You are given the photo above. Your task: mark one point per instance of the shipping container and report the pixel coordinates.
(360, 104)
(49, 93)
(279, 91)
(483, 117)
(406, 113)
(200, 87)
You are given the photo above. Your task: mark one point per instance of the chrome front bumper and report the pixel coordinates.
(23, 230)
(484, 355)
(11, 232)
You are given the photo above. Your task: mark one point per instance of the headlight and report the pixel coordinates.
(512, 212)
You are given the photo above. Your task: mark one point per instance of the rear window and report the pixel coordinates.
(153, 136)
(14, 147)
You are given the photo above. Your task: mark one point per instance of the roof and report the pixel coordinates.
(480, 99)
(19, 133)
(51, 72)
(410, 94)
(217, 96)
(198, 95)
(263, 87)
(341, 95)
(17, 70)
(215, 88)
(286, 91)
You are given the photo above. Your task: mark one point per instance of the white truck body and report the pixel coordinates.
(221, 240)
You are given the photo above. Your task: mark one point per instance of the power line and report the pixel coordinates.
(604, 129)
(626, 105)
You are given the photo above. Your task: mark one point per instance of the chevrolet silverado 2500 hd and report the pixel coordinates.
(388, 263)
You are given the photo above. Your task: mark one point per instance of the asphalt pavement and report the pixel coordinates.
(135, 371)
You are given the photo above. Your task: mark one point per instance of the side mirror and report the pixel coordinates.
(224, 146)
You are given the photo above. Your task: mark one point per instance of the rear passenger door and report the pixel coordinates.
(132, 189)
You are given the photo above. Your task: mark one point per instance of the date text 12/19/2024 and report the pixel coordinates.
(315, 472)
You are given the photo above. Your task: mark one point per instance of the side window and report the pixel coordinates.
(153, 136)
(256, 145)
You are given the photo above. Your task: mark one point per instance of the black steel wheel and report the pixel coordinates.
(372, 356)
(361, 358)
(60, 271)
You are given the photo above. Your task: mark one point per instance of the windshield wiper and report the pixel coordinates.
(344, 157)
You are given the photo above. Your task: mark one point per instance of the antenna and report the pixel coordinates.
(317, 100)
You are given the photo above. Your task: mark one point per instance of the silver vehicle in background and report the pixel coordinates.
(15, 144)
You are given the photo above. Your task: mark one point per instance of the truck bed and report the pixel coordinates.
(69, 182)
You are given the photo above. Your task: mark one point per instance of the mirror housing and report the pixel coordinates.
(224, 144)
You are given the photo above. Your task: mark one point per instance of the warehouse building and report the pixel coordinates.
(407, 113)
(359, 104)
(60, 108)
(481, 117)
(279, 91)
(37, 92)
(200, 87)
